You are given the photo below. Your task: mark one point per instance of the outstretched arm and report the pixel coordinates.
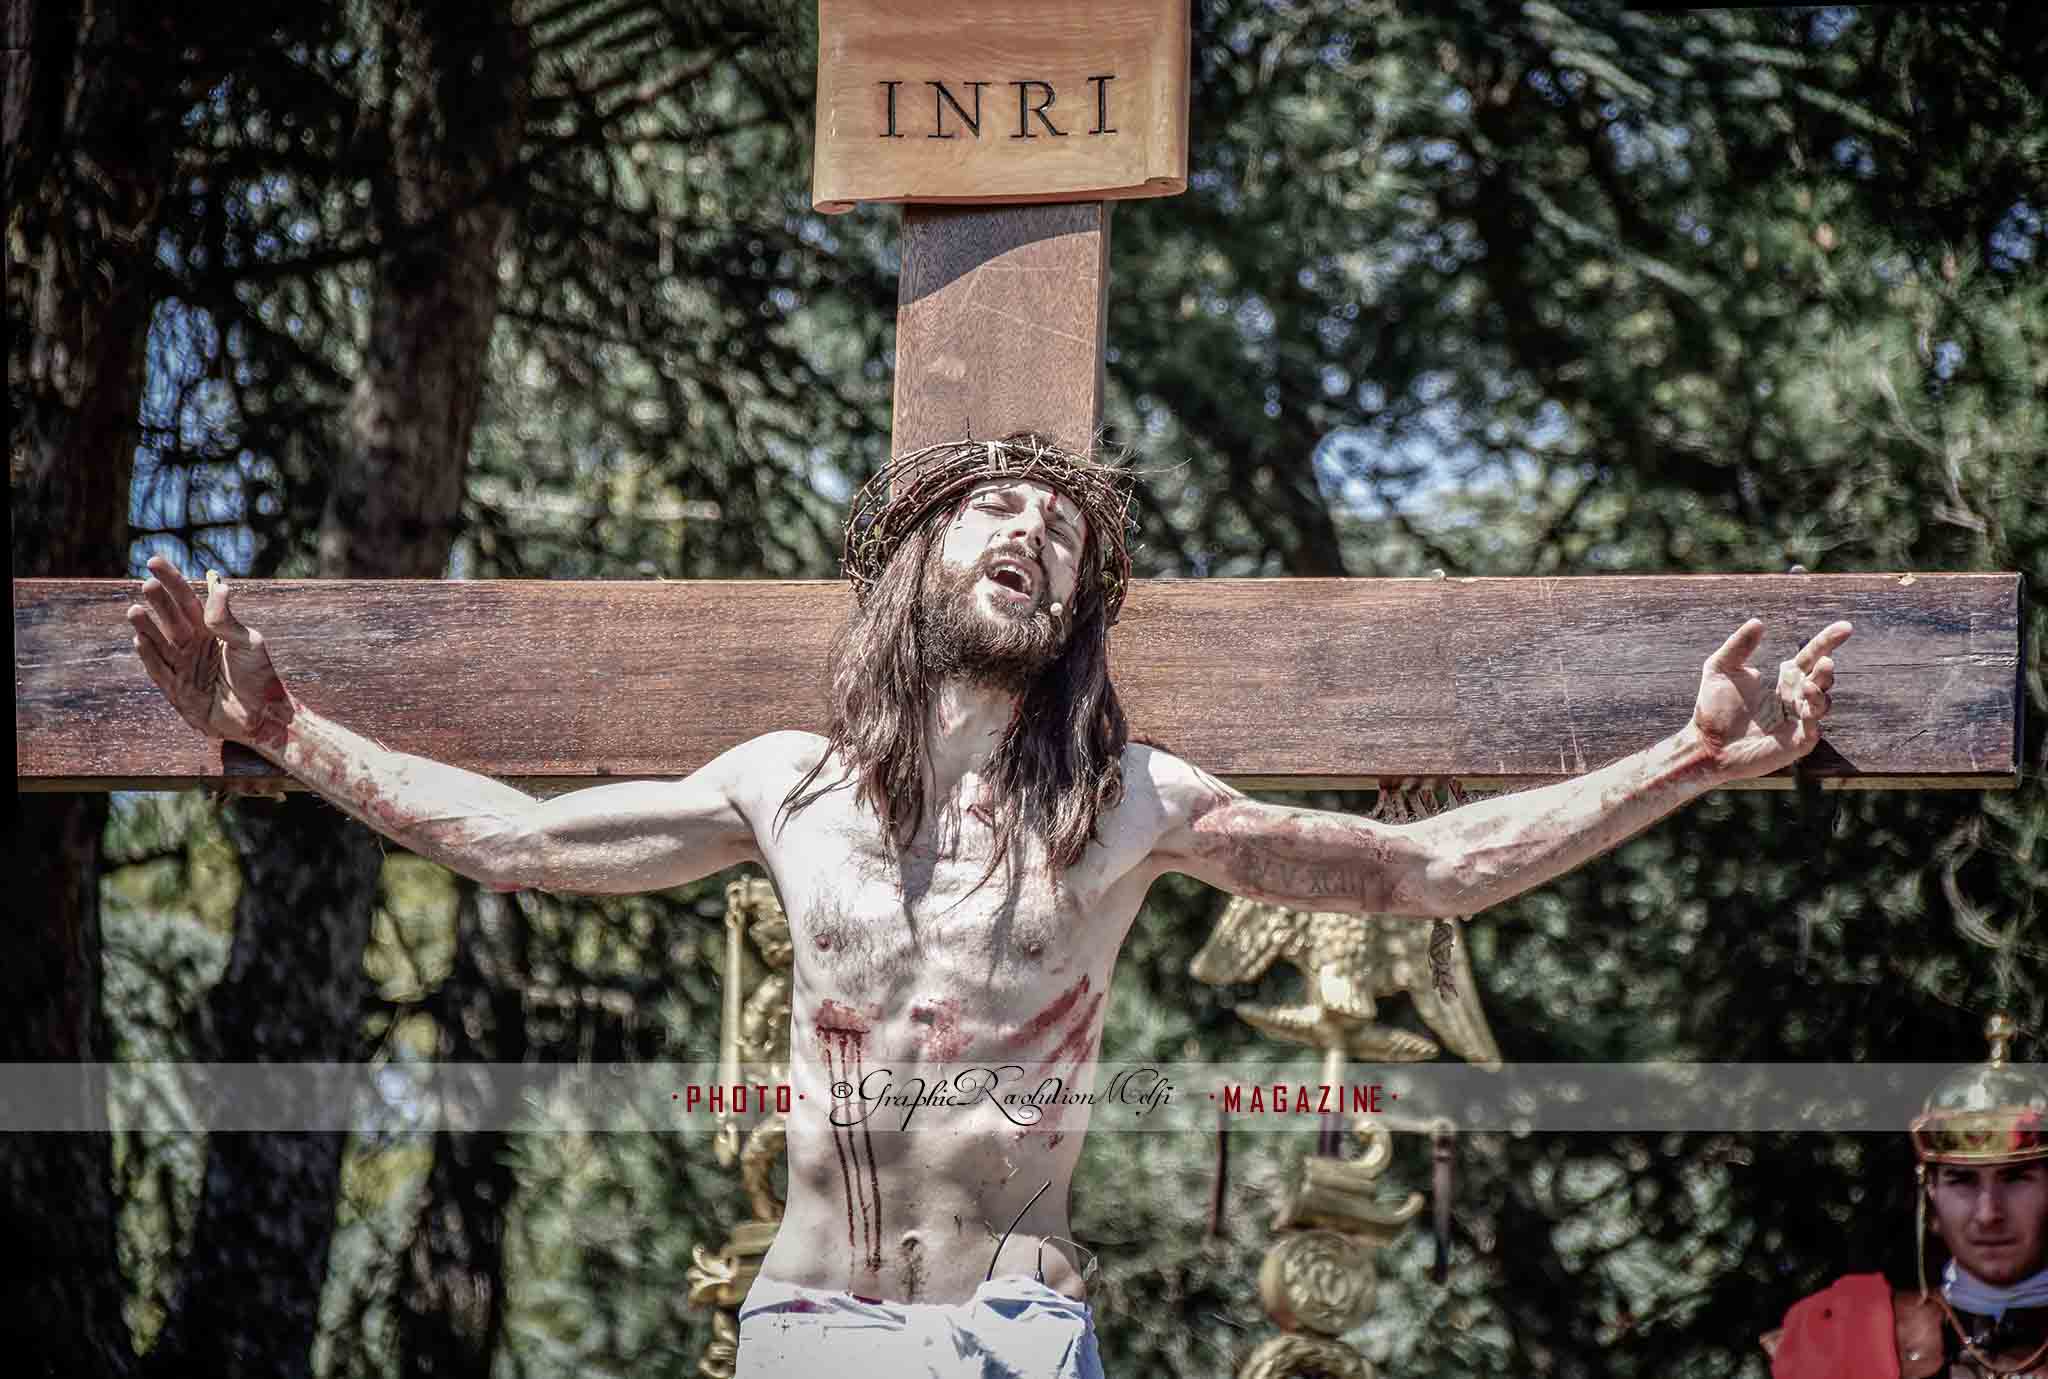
(1476, 856)
(622, 838)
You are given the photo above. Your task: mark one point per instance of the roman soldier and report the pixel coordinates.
(1982, 1146)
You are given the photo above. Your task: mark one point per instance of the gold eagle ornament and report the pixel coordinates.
(1350, 962)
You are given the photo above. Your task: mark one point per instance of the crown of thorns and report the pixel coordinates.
(911, 487)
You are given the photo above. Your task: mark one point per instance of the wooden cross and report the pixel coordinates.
(1005, 131)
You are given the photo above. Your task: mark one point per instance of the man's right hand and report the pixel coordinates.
(216, 672)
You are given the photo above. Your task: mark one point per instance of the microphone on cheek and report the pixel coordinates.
(1055, 608)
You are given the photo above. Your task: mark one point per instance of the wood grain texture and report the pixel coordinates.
(1055, 100)
(1266, 682)
(1000, 323)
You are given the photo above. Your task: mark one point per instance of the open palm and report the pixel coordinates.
(216, 672)
(1759, 722)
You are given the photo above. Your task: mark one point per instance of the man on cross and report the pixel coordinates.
(960, 856)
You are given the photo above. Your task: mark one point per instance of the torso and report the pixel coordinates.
(904, 967)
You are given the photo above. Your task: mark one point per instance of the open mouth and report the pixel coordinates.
(1011, 580)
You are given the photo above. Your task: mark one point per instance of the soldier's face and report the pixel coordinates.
(1994, 1220)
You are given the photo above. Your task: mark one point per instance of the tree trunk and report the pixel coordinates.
(297, 987)
(452, 1288)
(393, 512)
(88, 159)
(452, 1295)
(60, 1283)
(248, 1301)
(87, 155)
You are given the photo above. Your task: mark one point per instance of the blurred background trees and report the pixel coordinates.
(535, 291)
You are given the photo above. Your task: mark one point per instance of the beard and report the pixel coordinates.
(1006, 647)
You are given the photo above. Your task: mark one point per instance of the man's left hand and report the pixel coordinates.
(1755, 724)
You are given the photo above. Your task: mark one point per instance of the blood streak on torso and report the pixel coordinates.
(1070, 1020)
(1076, 1018)
(1034, 1029)
(1079, 1035)
(842, 1037)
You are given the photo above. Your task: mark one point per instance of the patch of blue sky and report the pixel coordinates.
(2014, 239)
(816, 232)
(1358, 470)
(1254, 319)
(1633, 148)
(1828, 25)
(826, 478)
(201, 483)
(1436, 152)
(1422, 463)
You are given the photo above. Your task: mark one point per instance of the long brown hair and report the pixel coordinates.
(1056, 767)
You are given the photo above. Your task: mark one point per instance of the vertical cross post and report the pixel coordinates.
(1000, 323)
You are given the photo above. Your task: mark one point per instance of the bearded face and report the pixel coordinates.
(974, 626)
(989, 593)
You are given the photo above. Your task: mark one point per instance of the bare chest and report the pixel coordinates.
(934, 916)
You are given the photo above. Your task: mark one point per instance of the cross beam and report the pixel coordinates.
(1269, 683)
(1005, 132)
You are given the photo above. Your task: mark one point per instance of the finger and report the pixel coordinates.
(220, 619)
(1736, 651)
(1824, 643)
(1824, 674)
(144, 623)
(163, 606)
(181, 588)
(153, 662)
